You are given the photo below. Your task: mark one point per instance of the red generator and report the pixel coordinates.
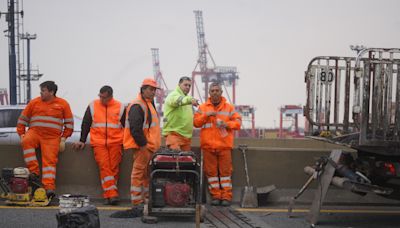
(175, 185)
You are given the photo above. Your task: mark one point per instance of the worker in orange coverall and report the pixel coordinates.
(217, 120)
(50, 122)
(105, 119)
(142, 135)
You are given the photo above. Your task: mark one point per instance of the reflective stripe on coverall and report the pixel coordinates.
(216, 148)
(106, 135)
(47, 122)
(139, 175)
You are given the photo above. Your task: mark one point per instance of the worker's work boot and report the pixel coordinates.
(215, 202)
(114, 201)
(106, 201)
(134, 212)
(225, 203)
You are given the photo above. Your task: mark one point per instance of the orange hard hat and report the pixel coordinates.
(150, 82)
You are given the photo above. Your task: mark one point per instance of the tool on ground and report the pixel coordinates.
(249, 193)
(332, 170)
(175, 186)
(318, 168)
(21, 188)
(75, 211)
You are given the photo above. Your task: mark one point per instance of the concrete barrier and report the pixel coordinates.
(279, 162)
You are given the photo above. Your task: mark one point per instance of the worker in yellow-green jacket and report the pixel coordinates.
(178, 116)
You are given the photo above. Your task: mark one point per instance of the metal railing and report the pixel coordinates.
(356, 96)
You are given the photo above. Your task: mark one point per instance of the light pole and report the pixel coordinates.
(11, 18)
(28, 37)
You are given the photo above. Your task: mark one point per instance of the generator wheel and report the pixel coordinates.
(149, 219)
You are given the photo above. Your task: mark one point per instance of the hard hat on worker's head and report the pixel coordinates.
(150, 82)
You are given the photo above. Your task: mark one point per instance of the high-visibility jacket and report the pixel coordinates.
(178, 114)
(211, 136)
(152, 132)
(51, 118)
(106, 126)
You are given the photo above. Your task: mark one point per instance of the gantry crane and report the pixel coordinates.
(290, 113)
(227, 76)
(3, 96)
(162, 92)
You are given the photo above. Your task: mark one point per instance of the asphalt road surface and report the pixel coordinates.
(276, 217)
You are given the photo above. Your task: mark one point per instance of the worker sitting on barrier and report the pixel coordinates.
(217, 120)
(105, 118)
(50, 122)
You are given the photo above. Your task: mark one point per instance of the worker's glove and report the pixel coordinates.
(62, 144)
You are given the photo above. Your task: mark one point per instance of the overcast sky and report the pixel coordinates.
(84, 44)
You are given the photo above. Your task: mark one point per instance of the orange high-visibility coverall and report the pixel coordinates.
(47, 122)
(106, 137)
(176, 141)
(216, 148)
(141, 158)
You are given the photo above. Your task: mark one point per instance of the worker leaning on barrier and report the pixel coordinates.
(178, 116)
(50, 122)
(142, 135)
(104, 119)
(217, 120)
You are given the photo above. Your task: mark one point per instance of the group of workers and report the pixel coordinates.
(114, 127)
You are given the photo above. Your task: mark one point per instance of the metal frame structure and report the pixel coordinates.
(225, 75)
(357, 99)
(19, 78)
(291, 113)
(162, 92)
(12, 18)
(3, 96)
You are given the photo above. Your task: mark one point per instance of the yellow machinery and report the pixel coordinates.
(20, 188)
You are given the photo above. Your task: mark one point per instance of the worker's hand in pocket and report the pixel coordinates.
(78, 145)
(62, 144)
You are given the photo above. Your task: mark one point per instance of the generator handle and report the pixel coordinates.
(201, 177)
(4, 187)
